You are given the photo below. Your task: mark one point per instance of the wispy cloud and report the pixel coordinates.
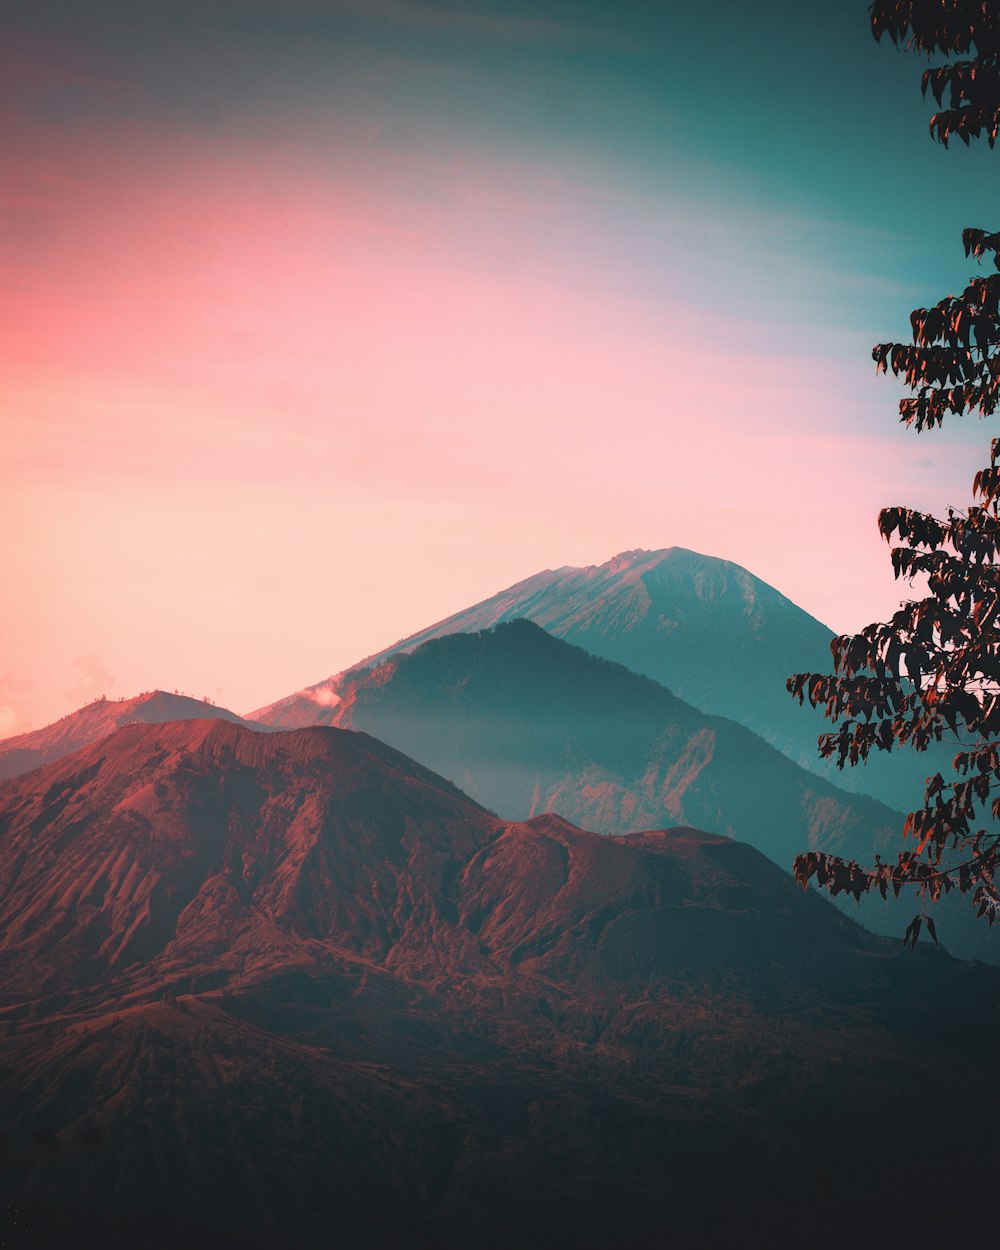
(95, 679)
(15, 694)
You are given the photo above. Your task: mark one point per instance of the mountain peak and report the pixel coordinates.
(690, 621)
(647, 558)
(704, 627)
(625, 559)
(96, 720)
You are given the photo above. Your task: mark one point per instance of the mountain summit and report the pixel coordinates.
(98, 719)
(707, 629)
(693, 623)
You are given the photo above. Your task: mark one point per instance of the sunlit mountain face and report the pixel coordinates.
(294, 987)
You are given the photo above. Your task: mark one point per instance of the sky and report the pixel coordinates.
(323, 319)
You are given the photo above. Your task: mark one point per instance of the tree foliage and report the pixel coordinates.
(953, 28)
(932, 672)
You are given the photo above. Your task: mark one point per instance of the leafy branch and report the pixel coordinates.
(932, 672)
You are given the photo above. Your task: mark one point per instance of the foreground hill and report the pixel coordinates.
(161, 844)
(88, 724)
(707, 629)
(529, 724)
(295, 989)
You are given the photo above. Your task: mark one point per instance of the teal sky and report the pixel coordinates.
(324, 320)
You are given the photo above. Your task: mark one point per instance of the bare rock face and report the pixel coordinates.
(296, 989)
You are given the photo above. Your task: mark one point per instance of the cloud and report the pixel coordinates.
(324, 696)
(14, 712)
(95, 680)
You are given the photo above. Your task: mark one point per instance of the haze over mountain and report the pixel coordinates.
(295, 989)
(707, 629)
(89, 724)
(528, 723)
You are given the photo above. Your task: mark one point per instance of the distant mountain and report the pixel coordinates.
(707, 629)
(528, 724)
(95, 721)
(294, 989)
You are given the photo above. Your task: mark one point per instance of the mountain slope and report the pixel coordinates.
(145, 820)
(707, 629)
(528, 724)
(294, 989)
(95, 721)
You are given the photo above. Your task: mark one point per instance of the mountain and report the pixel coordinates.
(174, 850)
(95, 721)
(141, 821)
(295, 989)
(528, 724)
(707, 629)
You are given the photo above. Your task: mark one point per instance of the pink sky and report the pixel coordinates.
(275, 396)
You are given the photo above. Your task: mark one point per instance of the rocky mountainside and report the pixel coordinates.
(199, 847)
(707, 629)
(295, 989)
(95, 721)
(528, 724)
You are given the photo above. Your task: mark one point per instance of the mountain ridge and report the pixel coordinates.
(93, 721)
(705, 628)
(528, 723)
